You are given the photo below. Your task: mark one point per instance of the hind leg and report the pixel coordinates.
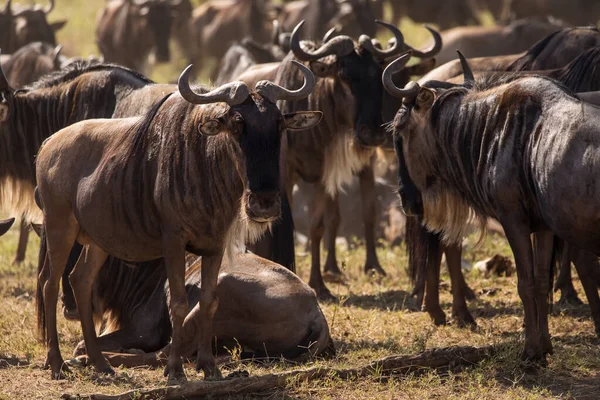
(543, 244)
(60, 236)
(82, 279)
(586, 263)
(22, 246)
(460, 312)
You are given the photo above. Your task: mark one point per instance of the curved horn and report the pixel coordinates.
(434, 49)
(56, 52)
(469, 78)
(329, 34)
(49, 7)
(275, 92)
(411, 90)
(5, 225)
(231, 93)
(367, 44)
(7, 7)
(339, 45)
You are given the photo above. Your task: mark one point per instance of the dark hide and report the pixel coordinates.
(127, 33)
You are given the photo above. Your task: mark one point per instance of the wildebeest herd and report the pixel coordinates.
(166, 211)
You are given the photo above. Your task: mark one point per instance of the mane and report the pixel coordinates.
(526, 61)
(583, 73)
(77, 68)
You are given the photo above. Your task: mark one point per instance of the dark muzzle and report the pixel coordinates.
(370, 137)
(263, 206)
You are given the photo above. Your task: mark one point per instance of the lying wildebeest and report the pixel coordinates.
(559, 49)
(26, 65)
(574, 12)
(263, 307)
(341, 146)
(554, 51)
(459, 146)
(352, 17)
(216, 24)
(486, 41)
(129, 30)
(199, 172)
(25, 25)
(446, 14)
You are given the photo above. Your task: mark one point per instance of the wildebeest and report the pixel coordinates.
(445, 14)
(352, 17)
(129, 30)
(574, 12)
(25, 25)
(26, 65)
(241, 56)
(199, 172)
(263, 307)
(216, 24)
(459, 146)
(485, 41)
(349, 90)
(554, 51)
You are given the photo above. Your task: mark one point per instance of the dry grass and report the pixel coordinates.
(374, 318)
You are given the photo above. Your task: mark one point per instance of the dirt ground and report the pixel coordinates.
(374, 318)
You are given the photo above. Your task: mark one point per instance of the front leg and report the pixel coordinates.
(174, 254)
(368, 196)
(332, 223)
(517, 232)
(317, 210)
(201, 318)
(460, 312)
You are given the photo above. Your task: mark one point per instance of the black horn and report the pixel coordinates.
(397, 47)
(469, 78)
(275, 92)
(329, 34)
(412, 88)
(434, 49)
(231, 93)
(339, 45)
(5, 225)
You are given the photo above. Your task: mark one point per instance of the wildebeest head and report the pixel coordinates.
(254, 121)
(358, 66)
(31, 25)
(408, 126)
(155, 17)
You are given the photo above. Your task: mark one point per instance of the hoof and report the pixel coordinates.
(438, 317)
(106, 371)
(469, 293)
(60, 372)
(532, 356)
(464, 320)
(210, 373)
(71, 314)
(334, 277)
(569, 299)
(178, 379)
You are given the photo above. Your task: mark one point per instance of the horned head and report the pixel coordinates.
(256, 124)
(411, 120)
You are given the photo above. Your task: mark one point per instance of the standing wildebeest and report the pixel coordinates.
(353, 17)
(199, 172)
(217, 24)
(446, 14)
(129, 30)
(26, 65)
(350, 92)
(263, 307)
(26, 25)
(555, 51)
(484, 41)
(522, 152)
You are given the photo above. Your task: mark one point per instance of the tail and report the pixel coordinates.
(42, 277)
(558, 250)
(283, 251)
(417, 239)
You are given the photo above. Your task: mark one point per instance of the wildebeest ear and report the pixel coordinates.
(302, 120)
(421, 68)
(425, 98)
(321, 69)
(57, 26)
(210, 128)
